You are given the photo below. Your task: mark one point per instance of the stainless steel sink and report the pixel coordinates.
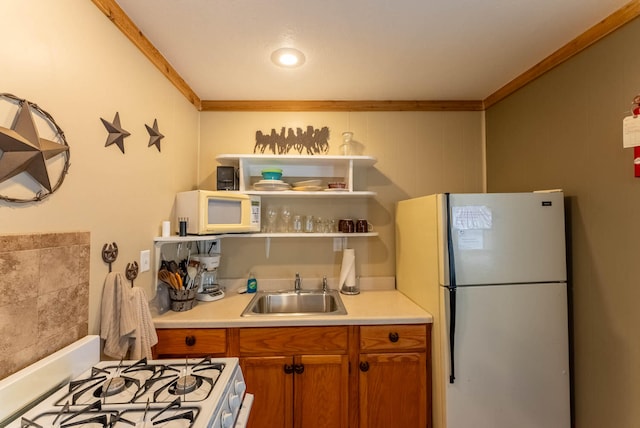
(295, 303)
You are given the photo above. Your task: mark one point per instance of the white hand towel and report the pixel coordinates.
(117, 320)
(145, 335)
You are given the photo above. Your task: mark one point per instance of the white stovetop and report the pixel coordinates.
(23, 387)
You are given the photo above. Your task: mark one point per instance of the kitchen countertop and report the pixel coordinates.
(366, 308)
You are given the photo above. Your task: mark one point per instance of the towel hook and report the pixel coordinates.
(110, 253)
(132, 271)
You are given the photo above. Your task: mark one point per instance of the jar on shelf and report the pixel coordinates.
(345, 147)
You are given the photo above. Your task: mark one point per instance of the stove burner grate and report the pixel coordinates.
(88, 416)
(171, 415)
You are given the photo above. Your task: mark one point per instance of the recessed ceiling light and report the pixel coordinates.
(287, 57)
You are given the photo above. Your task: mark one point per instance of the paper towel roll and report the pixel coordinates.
(348, 270)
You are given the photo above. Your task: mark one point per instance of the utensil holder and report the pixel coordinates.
(182, 300)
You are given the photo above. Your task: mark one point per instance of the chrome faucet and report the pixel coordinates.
(297, 284)
(325, 287)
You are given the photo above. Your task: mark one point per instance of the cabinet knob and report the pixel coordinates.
(364, 366)
(299, 368)
(190, 340)
(393, 336)
(288, 368)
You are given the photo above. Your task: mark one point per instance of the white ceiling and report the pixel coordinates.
(360, 49)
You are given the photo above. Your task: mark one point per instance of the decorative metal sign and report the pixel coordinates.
(28, 162)
(313, 141)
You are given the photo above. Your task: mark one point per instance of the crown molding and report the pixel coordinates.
(120, 19)
(622, 16)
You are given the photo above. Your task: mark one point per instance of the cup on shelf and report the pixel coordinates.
(285, 219)
(309, 224)
(297, 224)
(363, 226)
(272, 219)
(346, 225)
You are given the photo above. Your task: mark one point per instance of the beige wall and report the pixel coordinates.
(67, 57)
(417, 153)
(565, 131)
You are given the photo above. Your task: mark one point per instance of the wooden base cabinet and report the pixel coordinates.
(298, 375)
(392, 390)
(375, 376)
(393, 376)
(272, 389)
(307, 391)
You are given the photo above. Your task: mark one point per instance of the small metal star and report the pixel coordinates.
(154, 135)
(116, 133)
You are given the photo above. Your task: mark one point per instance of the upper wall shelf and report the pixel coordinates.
(298, 168)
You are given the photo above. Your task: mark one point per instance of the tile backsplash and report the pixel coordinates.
(44, 295)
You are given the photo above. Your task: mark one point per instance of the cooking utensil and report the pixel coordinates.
(169, 278)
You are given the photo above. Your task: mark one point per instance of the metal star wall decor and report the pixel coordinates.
(23, 150)
(116, 133)
(154, 135)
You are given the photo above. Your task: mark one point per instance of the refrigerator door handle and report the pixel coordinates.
(452, 292)
(452, 332)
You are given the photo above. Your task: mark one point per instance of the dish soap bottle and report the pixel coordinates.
(252, 284)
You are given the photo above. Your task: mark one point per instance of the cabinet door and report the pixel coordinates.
(393, 390)
(321, 391)
(272, 387)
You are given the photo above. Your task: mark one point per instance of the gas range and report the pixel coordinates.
(190, 393)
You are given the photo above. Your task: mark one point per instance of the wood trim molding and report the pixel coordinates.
(331, 105)
(113, 11)
(608, 25)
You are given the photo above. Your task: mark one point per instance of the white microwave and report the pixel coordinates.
(209, 212)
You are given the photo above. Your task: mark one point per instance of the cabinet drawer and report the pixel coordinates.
(393, 337)
(191, 341)
(293, 340)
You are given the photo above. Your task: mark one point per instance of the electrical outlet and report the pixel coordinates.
(145, 260)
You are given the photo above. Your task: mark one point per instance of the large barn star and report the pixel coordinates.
(154, 135)
(116, 133)
(24, 150)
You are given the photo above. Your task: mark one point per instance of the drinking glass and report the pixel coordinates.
(285, 215)
(297, 223)
(308, 224)
(272, 219)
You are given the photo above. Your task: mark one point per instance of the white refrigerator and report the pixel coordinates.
(491, 269)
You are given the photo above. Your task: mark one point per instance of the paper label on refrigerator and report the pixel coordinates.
(471, 217)
(470, 239)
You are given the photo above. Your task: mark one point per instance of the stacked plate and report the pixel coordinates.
(272, 185)
(308, 186)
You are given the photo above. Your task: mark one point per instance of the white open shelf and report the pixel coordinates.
(297, 168)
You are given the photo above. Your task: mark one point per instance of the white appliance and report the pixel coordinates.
(491, 269)
(213, 212)
(73, 388)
